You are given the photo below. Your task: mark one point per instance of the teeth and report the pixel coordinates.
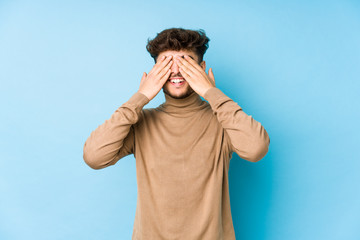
(176, 80)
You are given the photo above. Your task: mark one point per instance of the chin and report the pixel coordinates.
(179, 95)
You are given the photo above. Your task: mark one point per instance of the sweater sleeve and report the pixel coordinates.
(245, 136)
(114, 138)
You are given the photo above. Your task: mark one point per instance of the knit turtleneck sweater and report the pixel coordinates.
(182, 150)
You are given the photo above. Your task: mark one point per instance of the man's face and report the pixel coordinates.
(176, 86)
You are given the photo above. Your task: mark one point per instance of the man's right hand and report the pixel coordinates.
(151, 83)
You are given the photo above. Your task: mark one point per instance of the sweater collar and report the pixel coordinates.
(191, 103)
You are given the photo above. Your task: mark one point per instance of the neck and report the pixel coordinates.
(191, 103)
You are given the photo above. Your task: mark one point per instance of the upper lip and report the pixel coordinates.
(176, 78)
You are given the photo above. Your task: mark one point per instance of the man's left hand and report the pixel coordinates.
(193, 73)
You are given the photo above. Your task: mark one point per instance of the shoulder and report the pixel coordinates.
(147, 114)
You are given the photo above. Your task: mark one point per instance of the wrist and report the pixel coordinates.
(206, 91)
(210, 92)
(146, 94)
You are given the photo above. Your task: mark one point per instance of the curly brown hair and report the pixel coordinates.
(177, 39)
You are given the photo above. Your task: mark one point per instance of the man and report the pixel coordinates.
(183, 147)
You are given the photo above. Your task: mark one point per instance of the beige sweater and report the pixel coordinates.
(182, 150)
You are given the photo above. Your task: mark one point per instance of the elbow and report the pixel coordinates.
(260, 150)
(98, 159)
(91, 158)
(91, 161)
(260, 147)
(258, 154)
(256, 151)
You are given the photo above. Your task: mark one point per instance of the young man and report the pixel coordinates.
(183, 147)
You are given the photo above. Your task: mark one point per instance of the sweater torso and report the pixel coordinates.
(182, 164)
(182, 150)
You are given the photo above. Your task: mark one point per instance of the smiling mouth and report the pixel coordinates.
(177, 81)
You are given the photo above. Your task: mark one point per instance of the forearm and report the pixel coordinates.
(105, 145)
(248, 138)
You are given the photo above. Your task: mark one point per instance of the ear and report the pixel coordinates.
(203, 65)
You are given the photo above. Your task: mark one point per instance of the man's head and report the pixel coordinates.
(179, 42)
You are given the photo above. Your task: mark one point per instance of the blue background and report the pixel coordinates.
(66, 66)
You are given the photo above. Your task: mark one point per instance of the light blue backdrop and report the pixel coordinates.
(66, 66)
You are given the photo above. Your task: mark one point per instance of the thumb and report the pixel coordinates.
(143, 77)
(211, 75)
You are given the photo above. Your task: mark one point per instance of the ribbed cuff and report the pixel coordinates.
(138, 100)
(215, 96)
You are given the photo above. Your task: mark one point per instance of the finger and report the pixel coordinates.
(186, 75)
(186, 67)
(156, 66)
(161, 64)
(160, 60)
(164, 70)
(143, 77)
(211, 76)
(191, 69)
(193, 63)
(165, 77)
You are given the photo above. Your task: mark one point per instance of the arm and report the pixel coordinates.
(244, 135)
(247, 137)
(114, 139)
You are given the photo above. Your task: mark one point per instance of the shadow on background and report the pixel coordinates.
(250, 186)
